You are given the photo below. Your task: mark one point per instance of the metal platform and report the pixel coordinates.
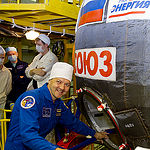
(53, 15)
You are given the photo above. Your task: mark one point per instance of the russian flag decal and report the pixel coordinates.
(91, 11)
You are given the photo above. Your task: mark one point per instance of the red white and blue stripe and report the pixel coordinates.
(91, 11)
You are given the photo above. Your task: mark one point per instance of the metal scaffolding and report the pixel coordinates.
(52, 15)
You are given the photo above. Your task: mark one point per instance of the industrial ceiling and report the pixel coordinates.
(49, 16)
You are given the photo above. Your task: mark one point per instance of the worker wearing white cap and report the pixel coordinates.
(12, 55)
(38, 111)
(20, 81)
(40, 68)
(5, 80)
(61, 75)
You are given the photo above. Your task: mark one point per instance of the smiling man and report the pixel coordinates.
(58, 87)
(38, 111)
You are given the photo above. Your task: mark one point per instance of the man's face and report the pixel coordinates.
(40, 43)
(58, 87)
(10, 53)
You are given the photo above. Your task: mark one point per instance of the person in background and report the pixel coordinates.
(5, 81)
(37, 112)
(19, 78)
(40, 68)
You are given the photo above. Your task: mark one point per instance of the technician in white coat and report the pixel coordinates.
(40, 68)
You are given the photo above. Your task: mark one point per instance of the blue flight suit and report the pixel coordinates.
(34, 116)
(19, 79)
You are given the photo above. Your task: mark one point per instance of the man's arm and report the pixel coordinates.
(29, 126)
(31, 67)
(9, 83)
(77, 126)
(38, 71)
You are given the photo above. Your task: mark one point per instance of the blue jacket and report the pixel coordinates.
(34, 116)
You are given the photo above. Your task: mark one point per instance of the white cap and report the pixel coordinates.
(2, 51)
(44, 38)
(62, 70)
(11, 49)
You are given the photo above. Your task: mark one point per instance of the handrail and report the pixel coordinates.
(4, 128)
(3, 131)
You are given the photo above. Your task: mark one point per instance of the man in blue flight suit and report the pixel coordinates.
(37, 112)
(19, 79)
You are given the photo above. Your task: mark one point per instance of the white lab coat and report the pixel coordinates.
(47, 61)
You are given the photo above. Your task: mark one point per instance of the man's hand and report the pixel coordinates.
(101, 135)
(60, 149)
(38, 71)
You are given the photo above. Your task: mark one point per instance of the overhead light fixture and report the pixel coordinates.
(32, 35)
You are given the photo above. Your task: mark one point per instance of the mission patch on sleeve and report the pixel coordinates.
(28, 102)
